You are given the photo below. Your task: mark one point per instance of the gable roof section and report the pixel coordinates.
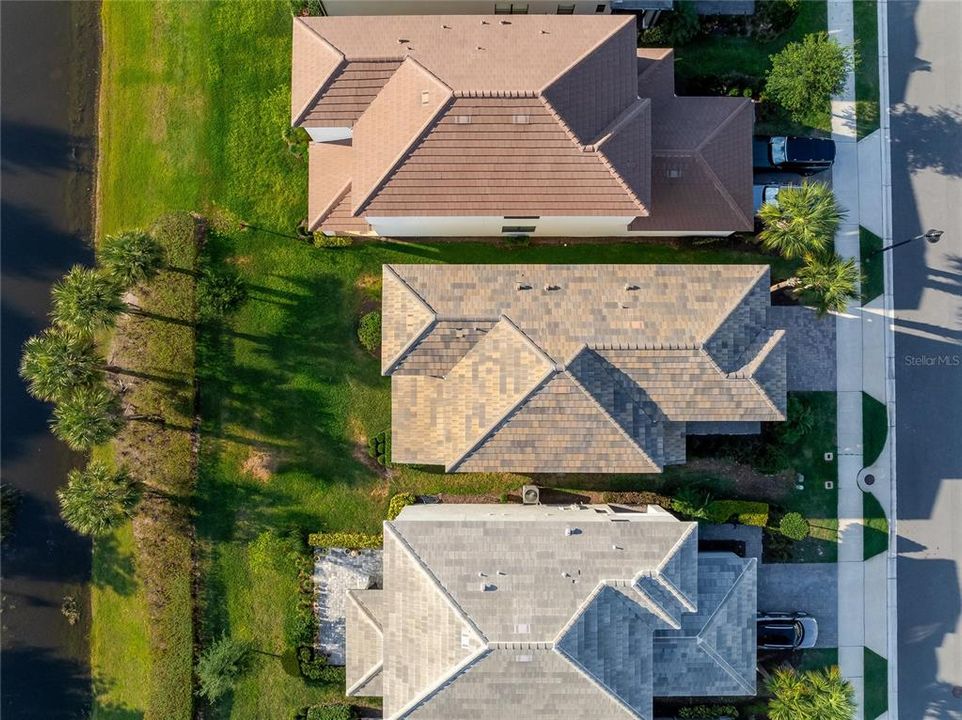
(315, 61)
(713, 653)
(329, 179)
(426, 637)
(364, 643)
(407, 104)
(348, 92)
(405, 317)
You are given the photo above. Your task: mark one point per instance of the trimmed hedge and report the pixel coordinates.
(708, 712)
(349, 541)
(379, 447)
(398, 503)
(794, 526)
(745, 512)
(332, 241)
(334, 711)
(313, 666)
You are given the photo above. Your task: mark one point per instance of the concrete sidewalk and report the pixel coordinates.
(857, 179)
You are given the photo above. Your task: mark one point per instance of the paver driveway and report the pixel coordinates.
(810, 587)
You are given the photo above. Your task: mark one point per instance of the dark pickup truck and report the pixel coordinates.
(805, 156)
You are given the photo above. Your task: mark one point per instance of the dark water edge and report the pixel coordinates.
(50, 74)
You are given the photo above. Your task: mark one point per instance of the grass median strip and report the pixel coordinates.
(867, 71)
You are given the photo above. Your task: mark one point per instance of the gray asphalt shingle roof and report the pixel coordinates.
(549, 612)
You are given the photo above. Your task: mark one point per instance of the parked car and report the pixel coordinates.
(786, 630)
(767, 192)
(805, 156)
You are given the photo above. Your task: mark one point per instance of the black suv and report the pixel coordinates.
(805, 156)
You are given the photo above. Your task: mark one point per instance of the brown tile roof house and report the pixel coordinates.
(574, 368)
(547, 612)
(511, 119)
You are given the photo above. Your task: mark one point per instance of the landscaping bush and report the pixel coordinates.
(800, 421)
(300, 8)
(794, 526)
(708, 712)
(773, 17)
(313, 666)
(398, 503)
(219, 293)
(379, 447)
(350, 541)
(691, 502)
(337, 711)
(332, 241)
(676, 27)
(369, 331)
(745, 512)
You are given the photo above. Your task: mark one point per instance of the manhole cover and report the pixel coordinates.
(869, 479)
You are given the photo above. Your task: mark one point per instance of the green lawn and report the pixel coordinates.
(875, 527)
(876, 699)
(873, 266)
(875, 427)
(119, 643)
(866, 72)
(288, 398)
(815, 659)
(724, 55)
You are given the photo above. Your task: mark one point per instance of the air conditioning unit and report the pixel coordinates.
(530, 495)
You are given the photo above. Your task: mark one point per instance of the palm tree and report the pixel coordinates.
(56, 362)
(96, 500)
(802, 222)
(829, 282)
(86, 300)
(87, 417)
(131, 257)
(813, 695)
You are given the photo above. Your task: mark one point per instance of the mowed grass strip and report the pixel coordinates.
(867, 100)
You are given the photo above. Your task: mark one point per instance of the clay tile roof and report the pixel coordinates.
(329, 179)
(316, 60)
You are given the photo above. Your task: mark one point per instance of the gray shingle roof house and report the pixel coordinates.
(575, 368)
(549, 612)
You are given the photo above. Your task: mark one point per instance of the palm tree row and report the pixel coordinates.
(801, 224)
(62, 365)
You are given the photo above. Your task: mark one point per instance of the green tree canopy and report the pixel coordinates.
(804, 75)
(219, 293)
(96, 499)
(829, 282)
(131, 256)
(219, 666)
(802, 222)
(813, 695)
(86, 300)
(58, 362)
(87, 417)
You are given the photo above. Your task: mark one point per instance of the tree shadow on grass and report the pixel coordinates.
(113, 568)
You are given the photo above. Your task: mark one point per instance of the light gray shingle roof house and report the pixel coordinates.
(575, 368)
(492, 611)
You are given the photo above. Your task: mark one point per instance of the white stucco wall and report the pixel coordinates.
(453, 7)
(485, 226)
(329, 134)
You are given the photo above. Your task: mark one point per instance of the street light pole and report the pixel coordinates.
(931, 236)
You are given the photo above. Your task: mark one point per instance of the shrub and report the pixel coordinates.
(708, 712)
(691, 502)
(677, 27)
(313, 665)
(398, 503)
(794, 526)
(330, 712)
(297, 140)
(300, 8)
(219, 293)
(811, 695)
(369, 331)
(379, 447)
(219, 666)
(347, 540)
(801, 421)
(332, 241)
(805, 74)
(745, 512)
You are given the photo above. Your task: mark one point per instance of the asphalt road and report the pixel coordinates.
(925, 70)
